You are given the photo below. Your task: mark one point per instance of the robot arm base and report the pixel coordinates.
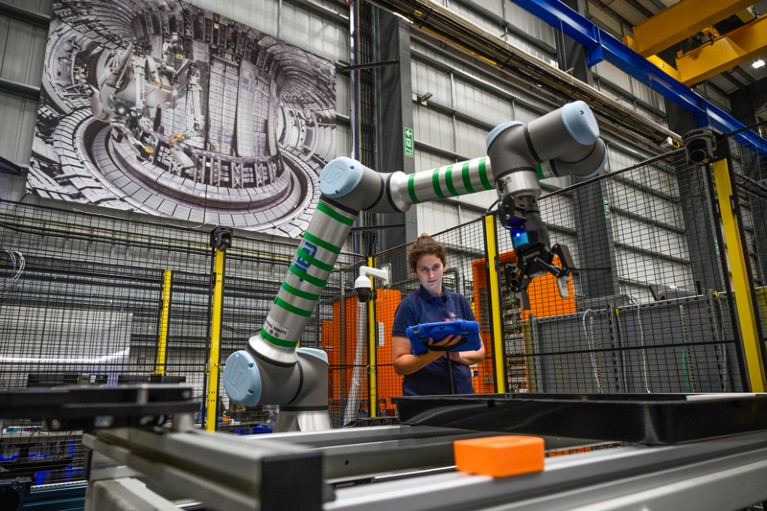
(300, 389)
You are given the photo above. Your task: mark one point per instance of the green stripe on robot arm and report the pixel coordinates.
(435, 184)
(292, 308)
(466, 177)
(483, 174)
(279, 342)
(299, 293)
(411, 188)
(301, 274)
(449, 181)
(322, 243)
(335, 215)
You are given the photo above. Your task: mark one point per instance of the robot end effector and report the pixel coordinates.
(569, 139)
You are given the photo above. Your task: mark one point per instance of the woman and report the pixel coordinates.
(437, 371)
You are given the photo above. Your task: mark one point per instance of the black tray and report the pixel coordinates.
(642, 418)
(88, 408)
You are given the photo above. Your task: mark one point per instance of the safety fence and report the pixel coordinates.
(84, 300)
(654, 303)
(648, 309)
(742, 172)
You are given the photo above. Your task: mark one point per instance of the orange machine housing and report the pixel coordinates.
(341, 357)
(544, 299)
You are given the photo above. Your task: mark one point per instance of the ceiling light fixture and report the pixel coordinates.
(758, 63)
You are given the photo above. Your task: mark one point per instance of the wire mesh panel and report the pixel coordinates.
(254, 269)
(749, 171)
(648, 308)
(403, 282)
(81, 304)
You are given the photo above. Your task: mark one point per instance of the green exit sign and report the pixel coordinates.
(409, 142)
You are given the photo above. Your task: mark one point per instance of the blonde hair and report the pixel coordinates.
(425, 245)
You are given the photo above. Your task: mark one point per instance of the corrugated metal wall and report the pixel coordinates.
(22, 47)
(467, 101)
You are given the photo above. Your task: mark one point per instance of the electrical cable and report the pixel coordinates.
(19, 263)
(645, 376)
(592, 354)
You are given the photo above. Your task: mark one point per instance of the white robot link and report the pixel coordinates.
(272, 370)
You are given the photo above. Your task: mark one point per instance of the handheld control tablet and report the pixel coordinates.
(419, 335)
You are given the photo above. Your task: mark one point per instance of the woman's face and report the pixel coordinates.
(429, 270)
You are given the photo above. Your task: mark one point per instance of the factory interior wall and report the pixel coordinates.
(83, 287)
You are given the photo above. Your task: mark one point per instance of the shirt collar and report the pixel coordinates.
(425, 295)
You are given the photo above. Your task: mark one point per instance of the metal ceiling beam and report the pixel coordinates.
(723, 53)
(680, 21)
(600, 45)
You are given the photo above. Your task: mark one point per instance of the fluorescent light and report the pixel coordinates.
(758, 63)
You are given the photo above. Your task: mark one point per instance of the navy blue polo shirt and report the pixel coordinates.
(441, 376)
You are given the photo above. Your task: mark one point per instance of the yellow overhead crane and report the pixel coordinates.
(719, 53)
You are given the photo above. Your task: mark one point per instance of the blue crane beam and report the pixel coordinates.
(600, 45)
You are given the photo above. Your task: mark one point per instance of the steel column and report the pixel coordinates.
(498, 347)
(372, 351)
(214, 367)
(162, 343)
(740, 281)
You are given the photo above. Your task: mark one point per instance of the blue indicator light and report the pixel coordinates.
(519, 238)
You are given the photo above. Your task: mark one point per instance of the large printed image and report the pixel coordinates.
(161, 107)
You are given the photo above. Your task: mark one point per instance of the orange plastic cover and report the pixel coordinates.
(500, 456)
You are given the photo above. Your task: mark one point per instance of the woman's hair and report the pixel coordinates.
(425, 245)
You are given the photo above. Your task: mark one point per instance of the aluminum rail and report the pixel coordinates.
(713, 475)
(269, 472)
(282, 472)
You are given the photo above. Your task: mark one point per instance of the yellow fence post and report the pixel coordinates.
(221, 239)
(740, 282)
(495, 306)
(162, 341)
(372, 351)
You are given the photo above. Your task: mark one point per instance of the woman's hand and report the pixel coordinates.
(445, 344)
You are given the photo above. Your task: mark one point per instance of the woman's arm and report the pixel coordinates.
(404, 360)
(468, 357)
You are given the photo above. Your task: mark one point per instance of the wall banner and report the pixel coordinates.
(164, 108)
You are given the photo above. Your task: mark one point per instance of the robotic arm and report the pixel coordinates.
(273, 370)
(568, 139)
